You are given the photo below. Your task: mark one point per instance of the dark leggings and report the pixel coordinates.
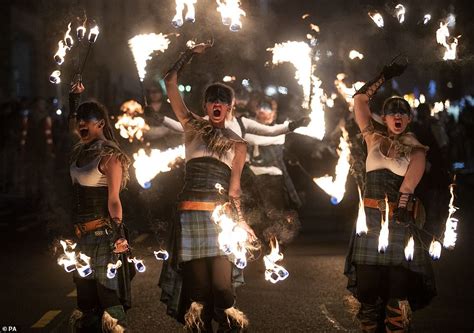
(92, 296)
(387, 282)
(209, 281)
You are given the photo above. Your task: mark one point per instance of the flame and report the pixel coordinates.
(93, 34)
(147, 166)
(355, 54)
(299, 55)
(450, 234)
(68, 41)
(377, 18)
(384, 232)
(72, 260)
(81, 31)
(230, 13)
(410, 249)
(435, 249)
(143, 46)
(442, 37)
(60, 53)
(161, 255)
(345, 91)
(220, 188)
(190, 14)
(400, 12)
(55, 77)
(112, 269)
(232, 238)
(274, 272)
(361, 225)
(139, 265)
(131, 127)
(426, 18)
(336, 186)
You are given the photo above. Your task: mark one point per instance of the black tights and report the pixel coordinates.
(92, 296)
(387, 282)
(209, 281)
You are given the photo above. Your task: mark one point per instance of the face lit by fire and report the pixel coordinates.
(89, 127)
(218, 110)
(397, 115)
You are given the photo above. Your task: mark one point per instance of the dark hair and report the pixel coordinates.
(394, 104)
(218, 89)
(101, 113)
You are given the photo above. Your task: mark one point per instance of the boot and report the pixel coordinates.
(398, 316)
(368, 316)
(114, 319)
(230, 320)
(84, 321)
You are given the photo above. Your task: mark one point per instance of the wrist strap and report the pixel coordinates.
(371, 87)
(184, 58)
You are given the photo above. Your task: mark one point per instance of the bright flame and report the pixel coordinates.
(355, 54)
(442, 37)
(361, 225)
(74, 261)
(426, 18)
(384, 232)
(230, 13)
(161, 255)
(147, 166)
(112, 269)
(336, 186)
(400, 12)
(345, 91)
(143, 46)
(81, 31)
(55, 77)
(68, 41)
(274, 272)
(131, 127)
(60, 53)
(190, 14)
(435, 249)
(232, 238)
(410, 249)
(93, 34)
(450, 234)
(139, 265)
(377, 18)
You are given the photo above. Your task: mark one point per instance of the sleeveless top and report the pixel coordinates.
(89, 174)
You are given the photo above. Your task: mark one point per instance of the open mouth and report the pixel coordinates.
(83, 132)
(398, 124)
(216, 113)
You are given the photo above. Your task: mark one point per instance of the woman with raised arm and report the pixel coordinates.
(384, 281)
(214, 155)
(99, 170)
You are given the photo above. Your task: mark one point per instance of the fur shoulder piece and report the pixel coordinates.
(218, 140)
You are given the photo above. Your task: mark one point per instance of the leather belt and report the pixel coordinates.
(380, 205)
(83, 228)
(197, 205)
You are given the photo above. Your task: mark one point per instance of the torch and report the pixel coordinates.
(93, 34)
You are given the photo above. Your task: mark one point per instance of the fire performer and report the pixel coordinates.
(99, 170)
(214, 154)
(385, 283)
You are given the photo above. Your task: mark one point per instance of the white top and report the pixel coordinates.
(377, 160)
(89, 174)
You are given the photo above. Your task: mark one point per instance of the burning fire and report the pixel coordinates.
(161, 255)
(384, 232)
(147, 166)
(112, 269)
(55, 77)
(231, 12)
(442, 37)
(190, 14)
(400, 12)
(68, 41)
(232, 238)
(274, 272)
(130, 124)
(74, 261)
(93, 34)
(355, 54)
(450, 234)
(345, 91)
(60, 53)
(426, 18)
(336, 186)
(143, 46)
(139, 265)
(377, 18)
(361, 225)
(410, 249)
(81, 31)
(435, 249)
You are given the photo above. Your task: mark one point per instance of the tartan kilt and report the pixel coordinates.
(100, 250)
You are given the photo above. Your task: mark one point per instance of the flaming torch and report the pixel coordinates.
(442, 37)
(55, 77)
(400, 12)
(435, 249)
(355, 54)
(377, 18)
(336, 187)
(361, 225)
(426, 18)
(68, 41)
(161, 255)
(60, 53)
(92, 38)
(139, 265)
(450, 234)
(190, 14)
(74, 261)
(81, 31)
(112, 269)
(231, 12)
(384, 232)
(410, 249)
(147, 166)
(273, 271)
(129, 123)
